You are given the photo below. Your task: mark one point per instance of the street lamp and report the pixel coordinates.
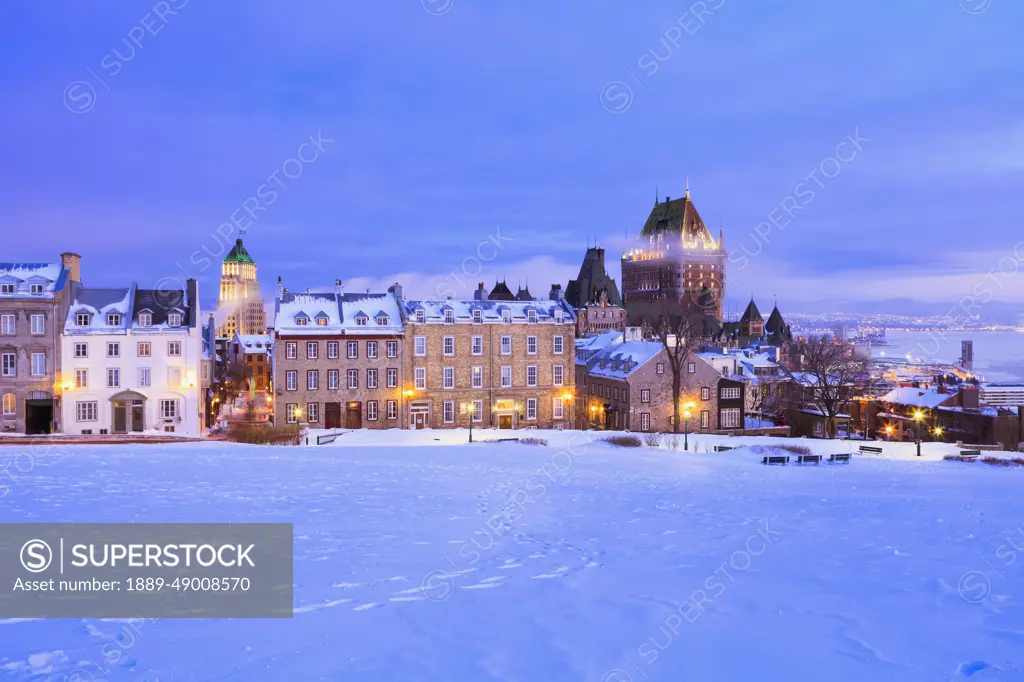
(687, 406)
(593, 415)
(470, 408)
(918, 417)
(888, 430)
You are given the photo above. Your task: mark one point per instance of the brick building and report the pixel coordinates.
(249, 357)
(505, 364)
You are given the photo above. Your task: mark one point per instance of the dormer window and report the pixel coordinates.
(145, 319)
(449, 316)
(506, 316)
(382, 320)
(558, 315)
(113, 319)
(82, 319)
(321, 321)
(531, 316)
(302, 320)
(35, 288)
(478, 316)
(6, 288)
(420, 316)
(174, 320)
(361, 320)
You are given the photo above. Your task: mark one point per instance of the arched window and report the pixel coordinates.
(9, 404)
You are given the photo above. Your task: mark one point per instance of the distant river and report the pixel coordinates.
(998, 355)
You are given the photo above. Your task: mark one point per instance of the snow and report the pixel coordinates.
(22, 275)
(576, 561)
(917, 397)
(636, 353)
(491, 311)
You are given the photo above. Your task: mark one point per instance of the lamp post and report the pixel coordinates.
(938, 432)
(470, 408)
(687, 406)
(918, 417)
(568, 406)
(888, 430)
(593, 415)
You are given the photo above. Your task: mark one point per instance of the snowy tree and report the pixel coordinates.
(824, 373)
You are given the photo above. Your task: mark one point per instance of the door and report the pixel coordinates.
(504, 421)
(420, 420)
(353, 416)
(38, 416)
(120, 418)
(138, 416)
(332, 416)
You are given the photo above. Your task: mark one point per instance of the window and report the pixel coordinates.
(144, 349)
(392, 349)
(9, 365)
(730, 393)
(559, 344)
(506, 376)
(449, 412)
(371, 378)
(382, 320)
(531, 345)
(705, 393)
(113, 378)
(35, 288)
(144, 377)
(312, 380)
(174, 320)
(38, 364)
(477, 345)
(392, 407)
(321, 322)
(371, 349)
(531, 408)
(290, 410)
(420, 345)
(81, 378)
(332, 350)
(291, 350)
(291, 380)
(420, 378)
(449, 316)
(7, 324)
(531, 375)
(705, 419)
(478, 316)
(313, 411)
(86, 410)
(353, 350)
(448, 346)
(82, 319)
(691, 367)
(421, 316)
(353, 378)
(531, 316)
(113, 319)
(557, 409)
(145, 319)
(645, 421)
(371, 410)
(506, 316)
(81, 350)
(558, 315)
(477, 374)
(660, 368)
(38, 323)
(174, 376)
(174, 348)
(9, 403)
(6, 289)
(615, 393)
(168, 409)
(506, 345)
(449, 377)
(556, 372)
(645, 395)
(113, 350)
(333, 377)
(206, 370)
(729, 418)
(361, 320)
(312, 350)
(301, 320)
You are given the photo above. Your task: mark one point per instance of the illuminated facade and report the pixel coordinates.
(677, 264)
(240, 306)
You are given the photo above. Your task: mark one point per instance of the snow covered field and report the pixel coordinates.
(576, 561)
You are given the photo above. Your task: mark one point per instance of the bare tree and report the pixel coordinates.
(826, 372)
(680, 332)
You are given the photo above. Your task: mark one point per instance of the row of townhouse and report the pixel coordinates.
(377, 360)
(97, 361)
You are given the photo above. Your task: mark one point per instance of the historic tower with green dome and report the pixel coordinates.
(241, 308)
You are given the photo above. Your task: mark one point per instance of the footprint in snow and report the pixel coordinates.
(312, 608)
(367, 607)
(488, 583)
(971, 668)
(557, 573)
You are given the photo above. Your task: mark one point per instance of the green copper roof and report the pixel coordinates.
(238, 254)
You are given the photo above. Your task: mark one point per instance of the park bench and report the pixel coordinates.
(775, 459)
(841, 457)
(723, 448)
(868, 450)
(808, 459)
(970, 454)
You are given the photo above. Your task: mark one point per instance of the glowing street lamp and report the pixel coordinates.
(888, 430)
(470, 408)
(687, 407)
(918, 417)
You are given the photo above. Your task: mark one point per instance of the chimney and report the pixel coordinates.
(969, 397)
(339, 289)
(396, 289)
(192, 292)
(556, 292)
(480, 294)
(73, 262)
(280, 287)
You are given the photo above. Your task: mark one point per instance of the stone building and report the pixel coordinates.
(249, 358)
(339, 359)
(33, 302)
(677, 264)
(595, 297)
(240, 308)
(503, 364)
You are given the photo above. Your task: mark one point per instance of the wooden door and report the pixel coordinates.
(138, 417)
(354, 417)
(332, 416)
(420, 420)
(120, 418)
(505, 421)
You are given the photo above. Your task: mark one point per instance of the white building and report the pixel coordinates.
(131, 360)
(1003, 395)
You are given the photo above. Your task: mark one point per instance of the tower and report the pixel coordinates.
(240, 307)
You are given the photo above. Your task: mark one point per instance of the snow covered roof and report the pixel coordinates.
(616, 356)
(929, 398)
(52, 277)
(99, 304)
(600, 341)
(321, 314)
(255, 344)
(547, 311)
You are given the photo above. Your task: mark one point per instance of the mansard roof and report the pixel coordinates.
(677, 216)
(238, 254)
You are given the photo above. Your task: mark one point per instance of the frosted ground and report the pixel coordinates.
(577, 561)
